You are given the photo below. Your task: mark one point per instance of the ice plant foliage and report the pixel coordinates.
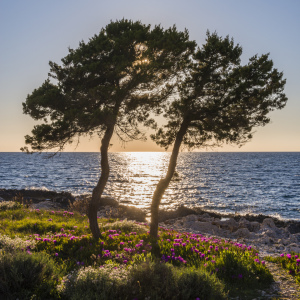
(290, 262)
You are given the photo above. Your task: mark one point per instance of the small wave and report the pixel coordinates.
(43, 188)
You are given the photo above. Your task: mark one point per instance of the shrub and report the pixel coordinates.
(147, 280)
(9, 205)
(106, 282)
(80, 205)
(126, 226)
(27, 276)
(164, 281)
(240, 270)
(8, 244)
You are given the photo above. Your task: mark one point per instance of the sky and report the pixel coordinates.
(33, 32)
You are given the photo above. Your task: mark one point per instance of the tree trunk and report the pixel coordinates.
(164, 182)
(98, 190)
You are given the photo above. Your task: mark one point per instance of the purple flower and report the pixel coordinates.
(288, 255)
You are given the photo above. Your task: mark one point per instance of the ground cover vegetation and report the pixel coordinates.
(57, 251)
(290, 262)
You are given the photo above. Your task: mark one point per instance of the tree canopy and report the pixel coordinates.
(108, 73)
(219, 101)
(107, 85)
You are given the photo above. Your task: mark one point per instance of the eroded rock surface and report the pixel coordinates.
(264, 235)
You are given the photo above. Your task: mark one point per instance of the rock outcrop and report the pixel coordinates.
(264, 235)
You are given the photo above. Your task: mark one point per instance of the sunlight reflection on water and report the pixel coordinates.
(134, 176)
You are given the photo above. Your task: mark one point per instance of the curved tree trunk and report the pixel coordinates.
(98, 190)
(164, 183)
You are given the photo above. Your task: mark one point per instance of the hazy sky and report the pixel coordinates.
(33, 32)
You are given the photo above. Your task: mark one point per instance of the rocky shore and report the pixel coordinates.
(270, 236)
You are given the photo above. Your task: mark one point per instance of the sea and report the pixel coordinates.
(226, 182)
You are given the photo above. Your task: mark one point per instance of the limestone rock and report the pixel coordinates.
(266, 240)
(268, 223)
(190, 218)
(254, 226)
(243, 223)
(294, 248)
(205, 227)
(206, 218)
(44, 205)
(229, 224)
(242, 233)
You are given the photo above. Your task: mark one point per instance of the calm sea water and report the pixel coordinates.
(267, 183)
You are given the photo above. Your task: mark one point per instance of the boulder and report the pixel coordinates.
(271, 233)
(190, 218)
(243, 223)
(294, 248)
(206, 218)
(294, 227)
(268, 223)
(229, 224)
(206, 227)
(44, 205)
(180, 212)
(266, 240)
(108, 201)
(242, 233)
(284, 242)
(254, 226)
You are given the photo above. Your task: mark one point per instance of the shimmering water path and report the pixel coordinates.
(267, 183)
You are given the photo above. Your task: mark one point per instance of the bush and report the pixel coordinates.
(144, 281)
(126, 226)
(9, 205)
(239, 270)
(8, 244)
(106, 282)
(27, 276)
(164, 281)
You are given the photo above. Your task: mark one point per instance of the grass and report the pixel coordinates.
(120, 265)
